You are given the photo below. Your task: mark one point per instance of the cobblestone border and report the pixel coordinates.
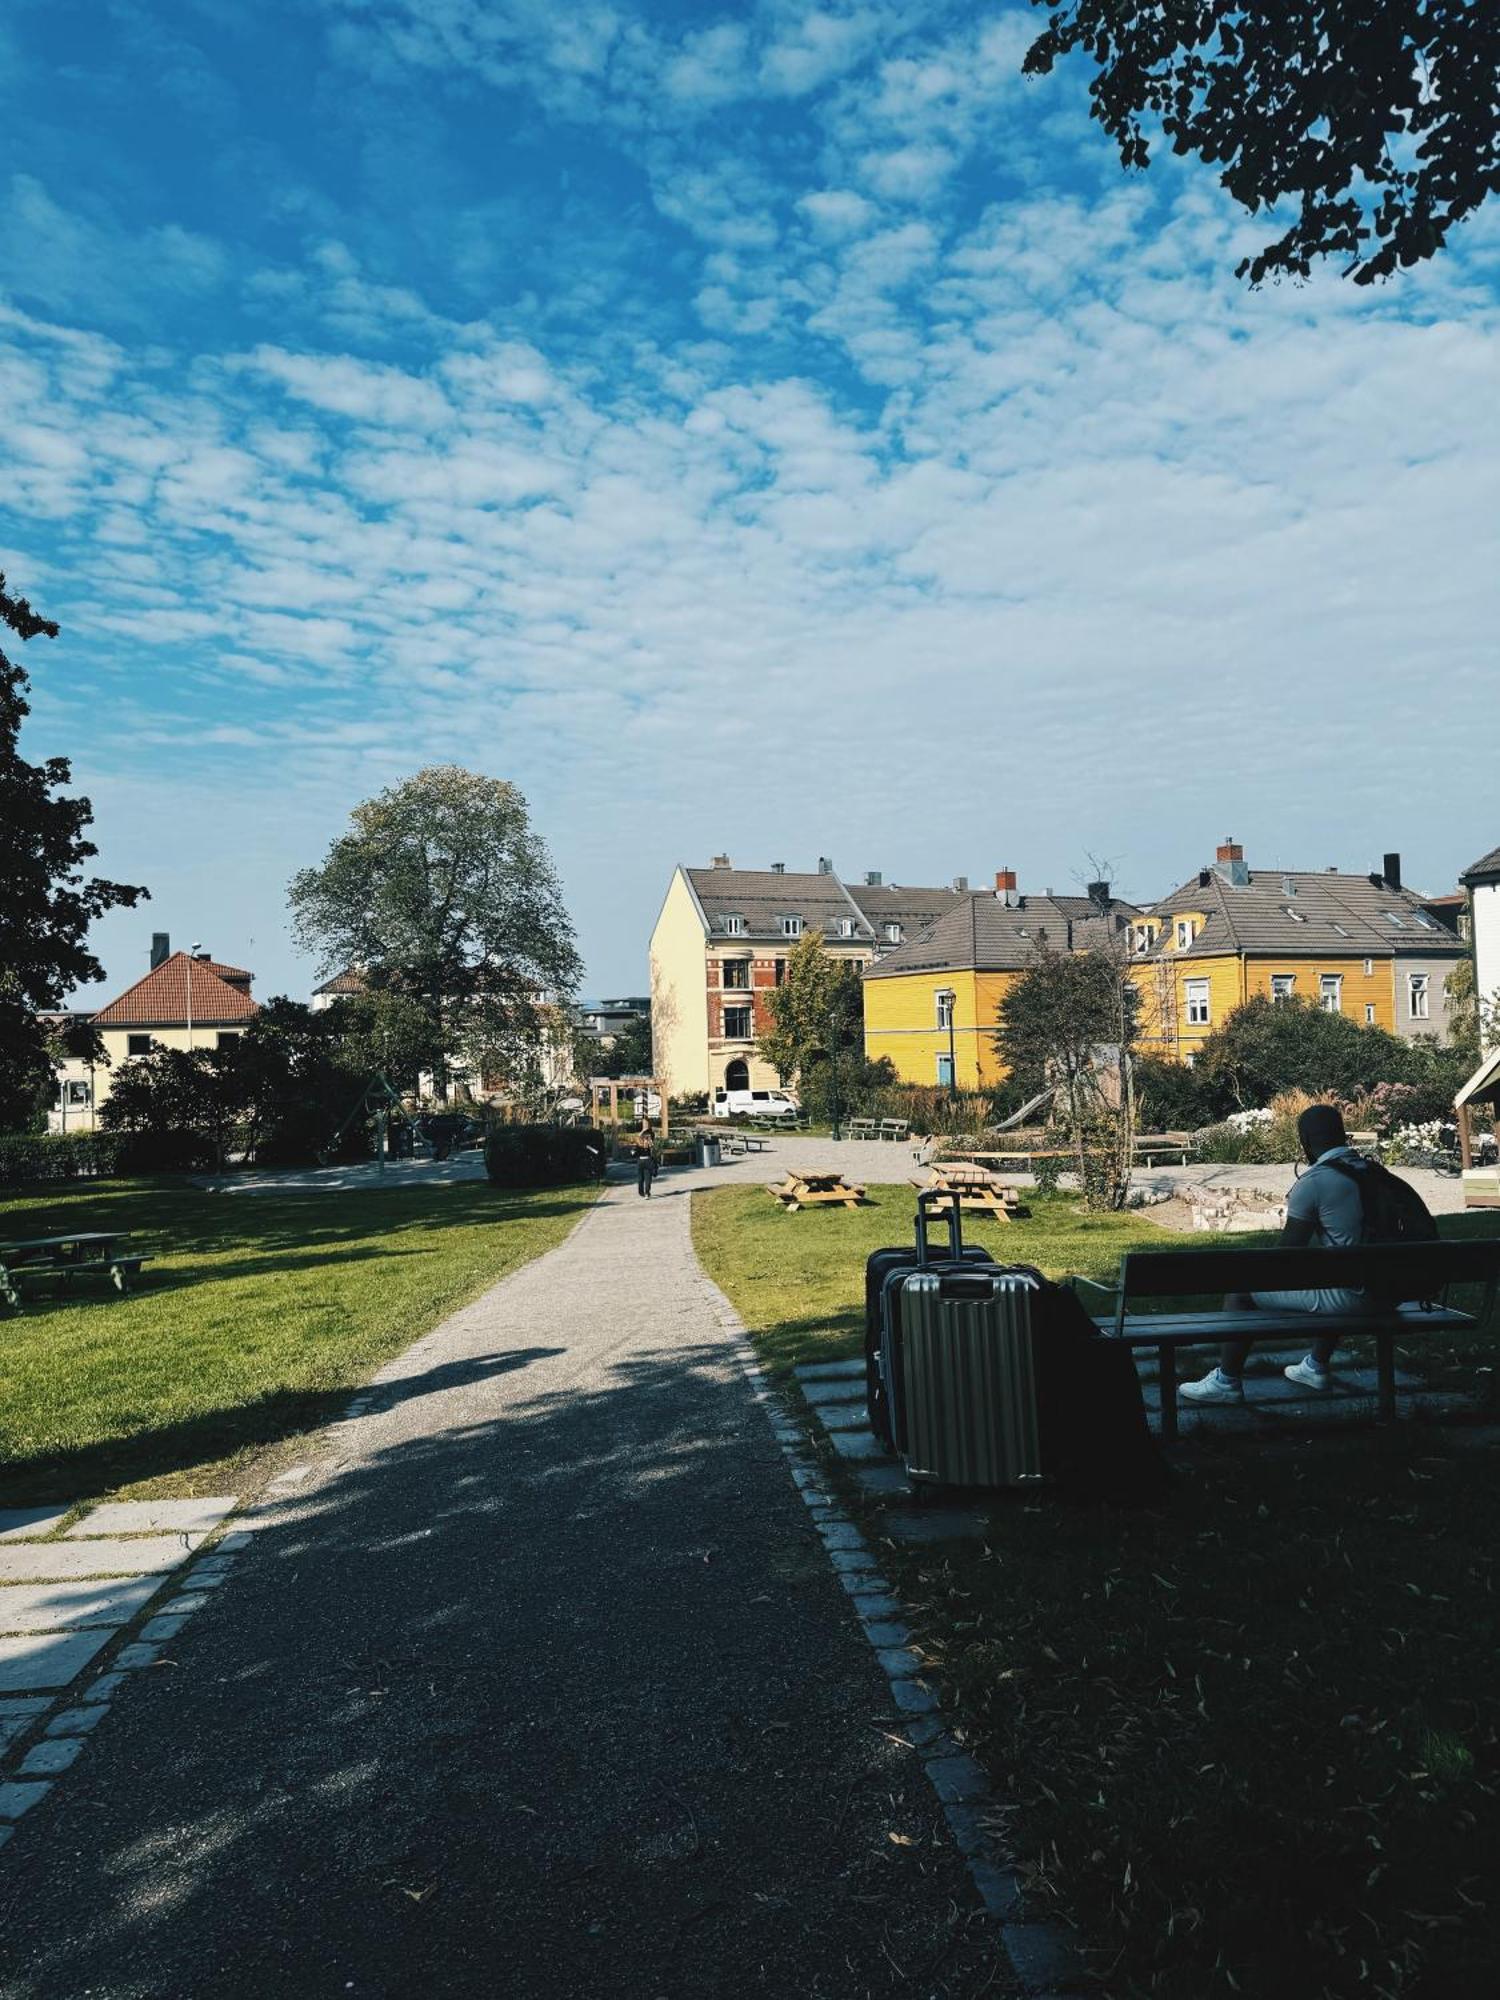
(1043, 1956)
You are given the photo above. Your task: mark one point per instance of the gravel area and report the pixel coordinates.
(541, 1683)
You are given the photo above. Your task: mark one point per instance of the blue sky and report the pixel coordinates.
(779, 429)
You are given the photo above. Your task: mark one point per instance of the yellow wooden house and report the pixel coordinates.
(932, 1006)
(1359, 945)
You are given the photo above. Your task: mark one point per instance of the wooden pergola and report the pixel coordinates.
(602, 1088)
(1483, 1087)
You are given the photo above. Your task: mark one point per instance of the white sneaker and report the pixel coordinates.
(1216, 1387)
(1307, 1375)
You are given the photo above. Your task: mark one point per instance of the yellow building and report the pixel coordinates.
(1360, 945)
(186, 1001)
(720, 949)
(931, 1007)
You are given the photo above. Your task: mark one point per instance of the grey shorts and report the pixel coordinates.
(1310, 1302)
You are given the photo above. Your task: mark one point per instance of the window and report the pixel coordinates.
(1340, 929)
(138, 1045)
(1417, 984)
(226, 1036)
(791, 927)
(1196, 991)
(1424, 920)
(1369, 968)
(944, 1002)
(1295, 915)
(1369, 1013)
(737, 972)
(737, 1024)
(778, 972)
(78, 1091)
(1185, 933)
(1143, 938)
(1396, 922)
(893, 933)
(734, 926)
(1283, 985)
(1331, 992)
(945, 1071)
(846, 926)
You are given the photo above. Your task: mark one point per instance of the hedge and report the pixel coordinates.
(534, 1156)
(58, 1156)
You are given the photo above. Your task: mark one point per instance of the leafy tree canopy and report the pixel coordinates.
(630, 1055)
(46, 902)
(1378, 121)
(441, 891)
(1268, 1046)
(816, 1012)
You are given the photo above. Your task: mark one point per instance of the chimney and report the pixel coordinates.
(825, 866)
(721, 861)
(872, 878)
(1204, 875)
(1005, 878)
(1229, 861)
(960, 882)
(778, 868)
(1099, 896)
(161, 948)
(1391, 870)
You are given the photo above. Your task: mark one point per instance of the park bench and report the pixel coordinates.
(1424, 1271)
(1157, 1148)
(796, 1191)
(975, 1188)
(895, 1128)
(864, 1128)
(82, 1254)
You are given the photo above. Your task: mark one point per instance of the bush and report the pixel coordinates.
(536, 1156)
(57, 1156)
(1171, 1097)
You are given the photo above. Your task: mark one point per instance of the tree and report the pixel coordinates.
(817, 1012)
(1379, 121)
(46, 902)
(441, 892)
(1268, 1046)
(628, 1055)
(1069, 1021)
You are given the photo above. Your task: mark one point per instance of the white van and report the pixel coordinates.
(755, 1104)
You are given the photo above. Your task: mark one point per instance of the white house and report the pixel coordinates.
(1483, 884)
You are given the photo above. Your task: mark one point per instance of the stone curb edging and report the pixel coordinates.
(1043, 1956)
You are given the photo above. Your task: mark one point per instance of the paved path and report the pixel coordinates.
(541, 1685)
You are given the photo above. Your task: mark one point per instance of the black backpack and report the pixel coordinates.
(1393, 1210)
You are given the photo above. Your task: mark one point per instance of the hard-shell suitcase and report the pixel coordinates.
(964, 1363)
(892, 1263)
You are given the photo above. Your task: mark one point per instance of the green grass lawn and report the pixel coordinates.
(1252, 1737)
(255, 1316)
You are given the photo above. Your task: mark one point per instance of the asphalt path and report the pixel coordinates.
(542, 1685)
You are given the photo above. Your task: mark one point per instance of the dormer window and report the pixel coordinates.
(734, 926)
(893, 934)
(846, 927)
(1187, 930)
(791, 927)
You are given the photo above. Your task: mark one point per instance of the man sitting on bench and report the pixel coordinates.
(1324, 1206)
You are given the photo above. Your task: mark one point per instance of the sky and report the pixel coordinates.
(776, 429)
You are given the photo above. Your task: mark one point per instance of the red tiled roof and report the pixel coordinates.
(347, 981)
(160, 1000)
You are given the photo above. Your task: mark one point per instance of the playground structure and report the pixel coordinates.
(602, 1088)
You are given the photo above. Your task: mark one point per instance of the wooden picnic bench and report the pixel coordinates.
(796, 1190)
(974, 1187)
(80, 1253)
(896, 1129)
(1385, 1271)
(864, 1128)
(1158, 1147)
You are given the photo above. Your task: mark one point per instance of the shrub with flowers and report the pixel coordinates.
(1414, 1145)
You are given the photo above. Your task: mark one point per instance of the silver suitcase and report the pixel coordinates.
(968, 1378)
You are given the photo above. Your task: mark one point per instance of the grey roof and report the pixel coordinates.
(763, 898)
(982, 933)
(1486, 865)
(1337, 916)
(913, 909)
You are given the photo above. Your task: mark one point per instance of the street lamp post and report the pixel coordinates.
(193, 950)
(833, 1071)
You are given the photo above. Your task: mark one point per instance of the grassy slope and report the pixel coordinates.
(254, 1317)
(1254, 1736)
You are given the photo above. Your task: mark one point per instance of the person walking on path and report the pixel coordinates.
(645, 1159)
(1325, 1206)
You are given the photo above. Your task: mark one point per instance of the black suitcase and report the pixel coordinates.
(882, 1267)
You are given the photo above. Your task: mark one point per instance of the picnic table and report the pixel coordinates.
(974, 1187)
(78, 1253)
(801, 1190)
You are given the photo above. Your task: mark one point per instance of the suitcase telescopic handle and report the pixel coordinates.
(929, 1198)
